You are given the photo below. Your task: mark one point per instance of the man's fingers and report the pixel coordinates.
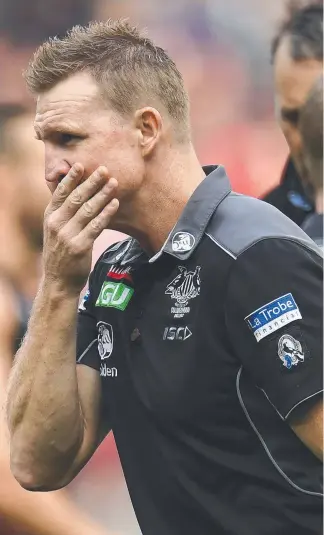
(91, 208)
(66, 186)
(95, 227)
(83, 193)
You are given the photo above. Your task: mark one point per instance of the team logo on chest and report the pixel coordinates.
(105, 339)
(105, 348)
(185, 286)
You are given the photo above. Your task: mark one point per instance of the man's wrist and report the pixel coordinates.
(55, 290)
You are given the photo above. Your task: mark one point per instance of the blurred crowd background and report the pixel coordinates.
(223, 50)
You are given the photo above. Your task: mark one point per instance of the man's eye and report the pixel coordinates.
(67, 139)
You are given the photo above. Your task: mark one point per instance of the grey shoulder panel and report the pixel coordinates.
(239, 222)
(123, 253)
(113, 250)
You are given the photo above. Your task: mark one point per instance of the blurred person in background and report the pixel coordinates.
(311, 129)
(165, 350)
(23, 26)
(26, 24)
(22, 202)
(297, 56)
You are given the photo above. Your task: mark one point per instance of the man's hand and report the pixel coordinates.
(53, 419)
(75, 217)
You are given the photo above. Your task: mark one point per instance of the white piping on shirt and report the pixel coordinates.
(221, 246)
(281, 472)
(302, 401)
(86, 350)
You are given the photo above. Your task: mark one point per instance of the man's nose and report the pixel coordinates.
(55, 173)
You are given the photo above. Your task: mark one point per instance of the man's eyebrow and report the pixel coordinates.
(50, 131)
(291, 115)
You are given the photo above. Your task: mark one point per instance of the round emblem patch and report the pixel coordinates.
(182, 242)
(290, 351)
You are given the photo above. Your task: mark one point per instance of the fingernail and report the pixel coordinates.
(109, 186)
(76, 169)
(102, 171)
(112, 183)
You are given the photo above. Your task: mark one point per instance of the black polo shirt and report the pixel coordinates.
(205, 352)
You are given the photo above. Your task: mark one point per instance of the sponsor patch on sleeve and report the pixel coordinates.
(273, 316)
(84, 300)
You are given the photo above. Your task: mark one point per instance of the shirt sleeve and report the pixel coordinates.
(273, 314)
(87, 347)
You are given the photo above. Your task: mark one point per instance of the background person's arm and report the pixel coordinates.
(40, 513)
(307, 423)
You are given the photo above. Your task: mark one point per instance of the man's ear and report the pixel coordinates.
(148, 121)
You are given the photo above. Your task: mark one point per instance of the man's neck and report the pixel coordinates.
(158, 205)
(21, 262)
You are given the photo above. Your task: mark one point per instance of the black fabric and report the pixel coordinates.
(202, 445)
(290, 196)
(265, 272)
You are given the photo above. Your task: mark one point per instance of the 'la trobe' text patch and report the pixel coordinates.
(272, 316)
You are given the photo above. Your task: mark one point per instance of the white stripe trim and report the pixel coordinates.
(275, 408)
(281, 472)
(129, 260)
(221, 246)
(86, 350)
(302, 401)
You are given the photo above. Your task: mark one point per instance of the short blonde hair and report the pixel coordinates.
(128, 67)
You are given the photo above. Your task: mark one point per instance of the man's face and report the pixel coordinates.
(293, 81)
(77, 126)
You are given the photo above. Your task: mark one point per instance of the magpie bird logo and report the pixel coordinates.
(185, 286)
(290, 351)
(105, 340)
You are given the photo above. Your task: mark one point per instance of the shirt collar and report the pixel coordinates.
(189, 229)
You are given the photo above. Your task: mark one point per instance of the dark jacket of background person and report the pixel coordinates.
(297, 58)
(290, 196)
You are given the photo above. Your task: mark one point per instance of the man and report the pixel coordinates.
(199, 341)
(297, 56)
(22, 204)
(311, 128)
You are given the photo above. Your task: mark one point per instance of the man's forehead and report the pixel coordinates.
(79, 90)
